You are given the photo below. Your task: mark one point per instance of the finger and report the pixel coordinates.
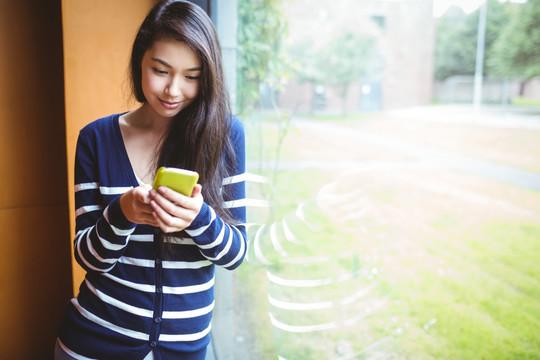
(146, 217)
(142, 194)
(166, 217)
(150, 219)
(164, 228)
(178, 203)
(166, 222)
(196, 190)
(170, 195)
(166, 205)
(143, 213)
(145, 209)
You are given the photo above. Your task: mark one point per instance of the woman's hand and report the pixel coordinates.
(136, 207)
(173, 211)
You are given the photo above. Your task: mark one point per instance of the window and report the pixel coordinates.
(403, 220)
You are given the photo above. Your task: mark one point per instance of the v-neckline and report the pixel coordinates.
(134, 179)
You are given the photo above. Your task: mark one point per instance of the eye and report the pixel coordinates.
(192, 77)
(159, 71)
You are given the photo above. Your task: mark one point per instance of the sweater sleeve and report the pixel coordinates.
(225, 244)
(102, 230)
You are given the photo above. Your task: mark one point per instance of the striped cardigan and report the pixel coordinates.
(132, 302)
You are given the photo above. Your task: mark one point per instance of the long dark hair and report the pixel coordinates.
(198, 138)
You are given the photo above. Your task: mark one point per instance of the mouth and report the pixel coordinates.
(169, 105)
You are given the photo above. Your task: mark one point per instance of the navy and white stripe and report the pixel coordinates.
(131, 301)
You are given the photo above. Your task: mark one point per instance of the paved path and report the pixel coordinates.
(489, 116)
(425, 157)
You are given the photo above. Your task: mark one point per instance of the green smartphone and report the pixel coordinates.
(179, 180)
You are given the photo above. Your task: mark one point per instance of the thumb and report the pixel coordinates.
(196, 190)
(142, 193)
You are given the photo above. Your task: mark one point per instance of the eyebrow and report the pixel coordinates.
(164, 63)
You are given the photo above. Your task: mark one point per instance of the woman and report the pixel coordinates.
(150, 254)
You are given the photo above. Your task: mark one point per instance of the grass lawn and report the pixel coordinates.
(479, 297)
(450, 264)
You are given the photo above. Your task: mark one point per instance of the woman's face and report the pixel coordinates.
(170, 77)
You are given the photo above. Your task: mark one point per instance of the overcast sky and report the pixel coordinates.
(440, 6)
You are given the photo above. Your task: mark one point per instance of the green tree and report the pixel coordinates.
(455, 45)
(344, 61)
(516, 53)
(340, 62)
(261, 30)
(457, 36)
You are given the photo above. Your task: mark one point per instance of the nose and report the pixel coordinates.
(174, 87)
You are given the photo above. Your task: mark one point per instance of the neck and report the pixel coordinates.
(145, 118)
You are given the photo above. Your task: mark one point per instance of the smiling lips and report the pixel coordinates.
(169, 105)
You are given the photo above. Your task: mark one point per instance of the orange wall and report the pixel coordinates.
(97, 41)
(49, 89)
(35, 271)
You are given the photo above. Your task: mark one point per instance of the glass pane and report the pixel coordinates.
(400, 157)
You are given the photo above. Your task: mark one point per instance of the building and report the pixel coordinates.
(403, 71)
